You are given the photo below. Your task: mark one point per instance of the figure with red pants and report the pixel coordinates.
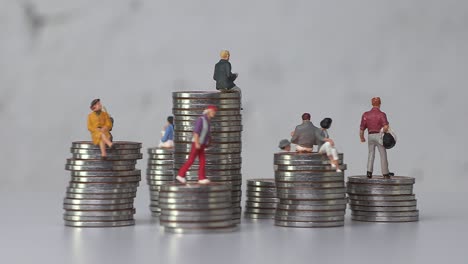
(201, 139)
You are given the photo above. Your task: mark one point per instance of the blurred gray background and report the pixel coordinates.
(328, 58)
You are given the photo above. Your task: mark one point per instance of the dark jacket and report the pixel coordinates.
(223, 75)
(307, 135)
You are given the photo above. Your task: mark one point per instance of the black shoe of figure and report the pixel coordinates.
(369, 174)
(387, 176)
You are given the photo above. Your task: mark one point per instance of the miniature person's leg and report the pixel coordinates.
(332, 154)
(201, 163)
(383, 159)
(167, 144)
(106, 140)
(303, 149)
(189, 162)
(371, 155)
(102, 146)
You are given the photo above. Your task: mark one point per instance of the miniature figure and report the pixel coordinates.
(327, 148)
(201, 139)
(99, 124)
(167, 140)
(306, 135)
(285, 145)
(375, 121)
(223, 76)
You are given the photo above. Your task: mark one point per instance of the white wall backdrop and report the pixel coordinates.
(324, 57)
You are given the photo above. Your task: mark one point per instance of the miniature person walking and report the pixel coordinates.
(99, 124)
(167, 140)
(375, 121)
(223, 76)
(201, 139)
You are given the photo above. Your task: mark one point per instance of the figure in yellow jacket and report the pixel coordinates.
(99, 124)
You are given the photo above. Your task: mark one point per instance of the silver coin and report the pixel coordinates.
(310, 218)
(214, 141)
(259, 216)
(381, 180)
(105, 173)
(224, 223)
(310, 196)
(196, 187)
(213, 123)
(205, 101)
(200, 218)
(198, 112)
(204, 94)
(109, 151)
(383, 208)
(97, 218)
(100, 213)
(309, 168)
(379, 191)
(236, 199)
(342, 201)
(310, 174)
(213, 129)
(161, 156)
(158, 183)
(261, 194)
(317, 162)
(385, 218)
(106, 179)
(215, 167)
(94, 207)
(259, 210)
(164, 151)
(311, 207)
(339, 184)
(261, 182)
(154, 203)
(383, 203)
(187, 213)
(310, 191)
(160, 172)
(100, 162)
(160, 178)
(100, 186)
(188, 146)
(201, 230)
(375, 186)
(301, 156)
(261, 189)
(385, 214)
(196, 200)
(309, 224)
(262, 199)
(189, 195)
(97, 202)
(162, 163)
(237, 210)
(109, 157)
(102, 191)
(116, 145)
(100, 196)
(209, 151)
(215, 173)
(381, 197)
(177, 106)
(234, 179)
(100, 224)
(99, 168)
(215, 119)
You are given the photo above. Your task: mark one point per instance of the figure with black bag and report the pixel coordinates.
(379, 136)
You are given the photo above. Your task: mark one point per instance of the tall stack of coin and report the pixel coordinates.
(196, 207)
(382, 200)
(160, 171)
(311, 192)
(101, 191)
(223, 156)
(261, 199)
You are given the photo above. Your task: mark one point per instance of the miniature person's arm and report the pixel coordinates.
(363, 127)
(92, 127)
(229, 74)
(167, 133)
(197, 131)
(323, 139)
(385, 122)
(294, 136)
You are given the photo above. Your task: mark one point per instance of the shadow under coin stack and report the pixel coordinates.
(101, 192)
(160, 171)
(223, 156)
(311, 192)
(261, 199)
(193, 207)
(382, 200)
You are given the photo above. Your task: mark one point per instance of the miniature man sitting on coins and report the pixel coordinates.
(223, 76)
(201, 139)
(99, 124)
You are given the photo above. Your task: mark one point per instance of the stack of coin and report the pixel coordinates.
(261, 199)
(311, 192)
(223, 156)
(382, 200)
(196, 207)
(160, 171)
(101, 191)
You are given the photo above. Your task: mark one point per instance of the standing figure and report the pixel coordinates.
(223, 76)
(201, 139)
(285, 145)
(167, 140)
(306, 135)
(99, 124)
(327, 148)
(375, 121)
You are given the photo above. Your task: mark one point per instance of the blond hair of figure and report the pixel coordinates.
(224, 54)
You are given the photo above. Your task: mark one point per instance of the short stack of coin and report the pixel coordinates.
(311, 192)
(261, 199)
(382, 200)
(194, 207)
(223, 156)
(160, 171)
(101, 191)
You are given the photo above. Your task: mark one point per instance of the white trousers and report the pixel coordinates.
(303, 149)
(329, 149)
(167, 144)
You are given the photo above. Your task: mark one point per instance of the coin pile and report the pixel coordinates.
(382, 200)
(311, 192)
(160, 171)
(261, 199)
(194, 207)
(223, 156)
(101, 192)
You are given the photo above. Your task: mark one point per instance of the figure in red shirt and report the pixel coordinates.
(375, 121)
